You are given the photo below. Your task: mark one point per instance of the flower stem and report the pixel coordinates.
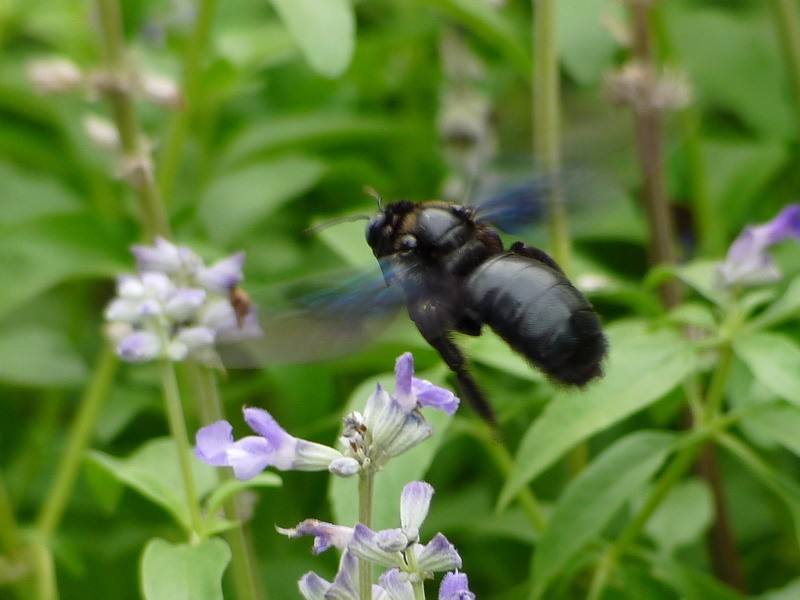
(547, 122)
(79, 437)
(179, 127)
(177, 426)
(9, 532)
(243, 562)
(154, 216)
(787, 22)
(366, 481)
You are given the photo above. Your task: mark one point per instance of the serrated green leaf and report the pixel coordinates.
(591, 499)
(586, 47)
(683, 516)
(389, 482)
(154, 472)
(238, 201)
(324, 31)
(38, 357)
(774, 360)
(184, 571)
(642, 366)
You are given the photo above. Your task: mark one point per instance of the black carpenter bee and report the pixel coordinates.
(456, 277)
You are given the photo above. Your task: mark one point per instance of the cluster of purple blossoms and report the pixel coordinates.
(176, 307)
(408, 562)
(748, 261)
(390, 425)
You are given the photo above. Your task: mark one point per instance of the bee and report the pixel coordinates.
(241, 303)
(456, 276)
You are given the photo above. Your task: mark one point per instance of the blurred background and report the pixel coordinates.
(256, 134)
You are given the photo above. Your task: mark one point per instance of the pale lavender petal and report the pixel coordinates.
(312, 586)
(129, 286)
(326, 535)
(438, 555)
(344, 467)
(220, 316)
(384, 417)
(365, 545)
(397, 585)
(302, 455)
(249, 456)
(414, 504)
(149, 307)
(223, 274)
(162, 256)
(414, 430)
(157, 285)
(455, 586)
(428, 394)
(139, 346)
(195, 337)
(266, 426)
(403, 375)
(345, 584)
(184, 302)
(123, 309)
(785, 225)
(392, 540)
(213, 442)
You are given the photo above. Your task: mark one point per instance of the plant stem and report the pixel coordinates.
(243, 562)
(80, 435)
(547, 123)
(44, 583)
(179, 127)
(154, 218)
(366, 480)
(788, 24)
(9, 532)
(418, 585)
(177, 426)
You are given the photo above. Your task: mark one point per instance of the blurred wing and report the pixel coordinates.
(512, 207)
(323, 321)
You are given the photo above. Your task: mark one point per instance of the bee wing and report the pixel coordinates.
(322, 321)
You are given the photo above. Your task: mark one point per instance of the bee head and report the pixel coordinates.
(384, 228)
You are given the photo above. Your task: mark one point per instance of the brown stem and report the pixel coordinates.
(649, 138)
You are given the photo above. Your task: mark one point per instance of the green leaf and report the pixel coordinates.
(585, 46)
(389, 482)
(780, 424)
(38, 357)
(255, 46)
(324, 31)
(788, 592)
(784, 308)
(593, 498)
(154, 472)
(694, 314)
(304, 130)
(31, 195)
(489, 349)
(238, 201)
(701, 275)
(233, 486)
(642, 366)
(774, 360)
(692, 584)
(683, 516)
(492, 27)
(184, 571)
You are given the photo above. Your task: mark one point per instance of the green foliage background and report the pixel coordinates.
(284, 130)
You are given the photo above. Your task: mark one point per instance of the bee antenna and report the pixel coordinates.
(371, 191)
(336, 221)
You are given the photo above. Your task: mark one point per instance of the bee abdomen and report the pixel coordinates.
(541, 315)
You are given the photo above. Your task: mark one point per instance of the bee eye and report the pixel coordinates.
(461, 211)
(408, 242)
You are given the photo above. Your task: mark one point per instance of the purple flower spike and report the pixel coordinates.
(326, 535)
(213, 442)
(748, 262)
(139, 346)
(412, 392)
(396, 585)
(365, 545)
(438, 555)
(414, 504)
(313, 587)
(455, 586)
(223, 274)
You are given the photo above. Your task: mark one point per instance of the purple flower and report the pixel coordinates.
(455, 586)
(223, 274)
(748, 262)
(271, 447)
(412, 392)
(344, 586)
(415, 501)
(438, 555)
(139, 346)
(396, 585)
(219, 316)
(164, 257)
(326, 535)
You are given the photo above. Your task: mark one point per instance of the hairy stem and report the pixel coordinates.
(547, 122)
(177, 426)
(154, 218)
(243, 561)
(78, 439)
(366, 480)
(179, 127)
(787, 23)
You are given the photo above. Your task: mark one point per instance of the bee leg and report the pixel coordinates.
(469, 324)
(536, 254)
(432, 320)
